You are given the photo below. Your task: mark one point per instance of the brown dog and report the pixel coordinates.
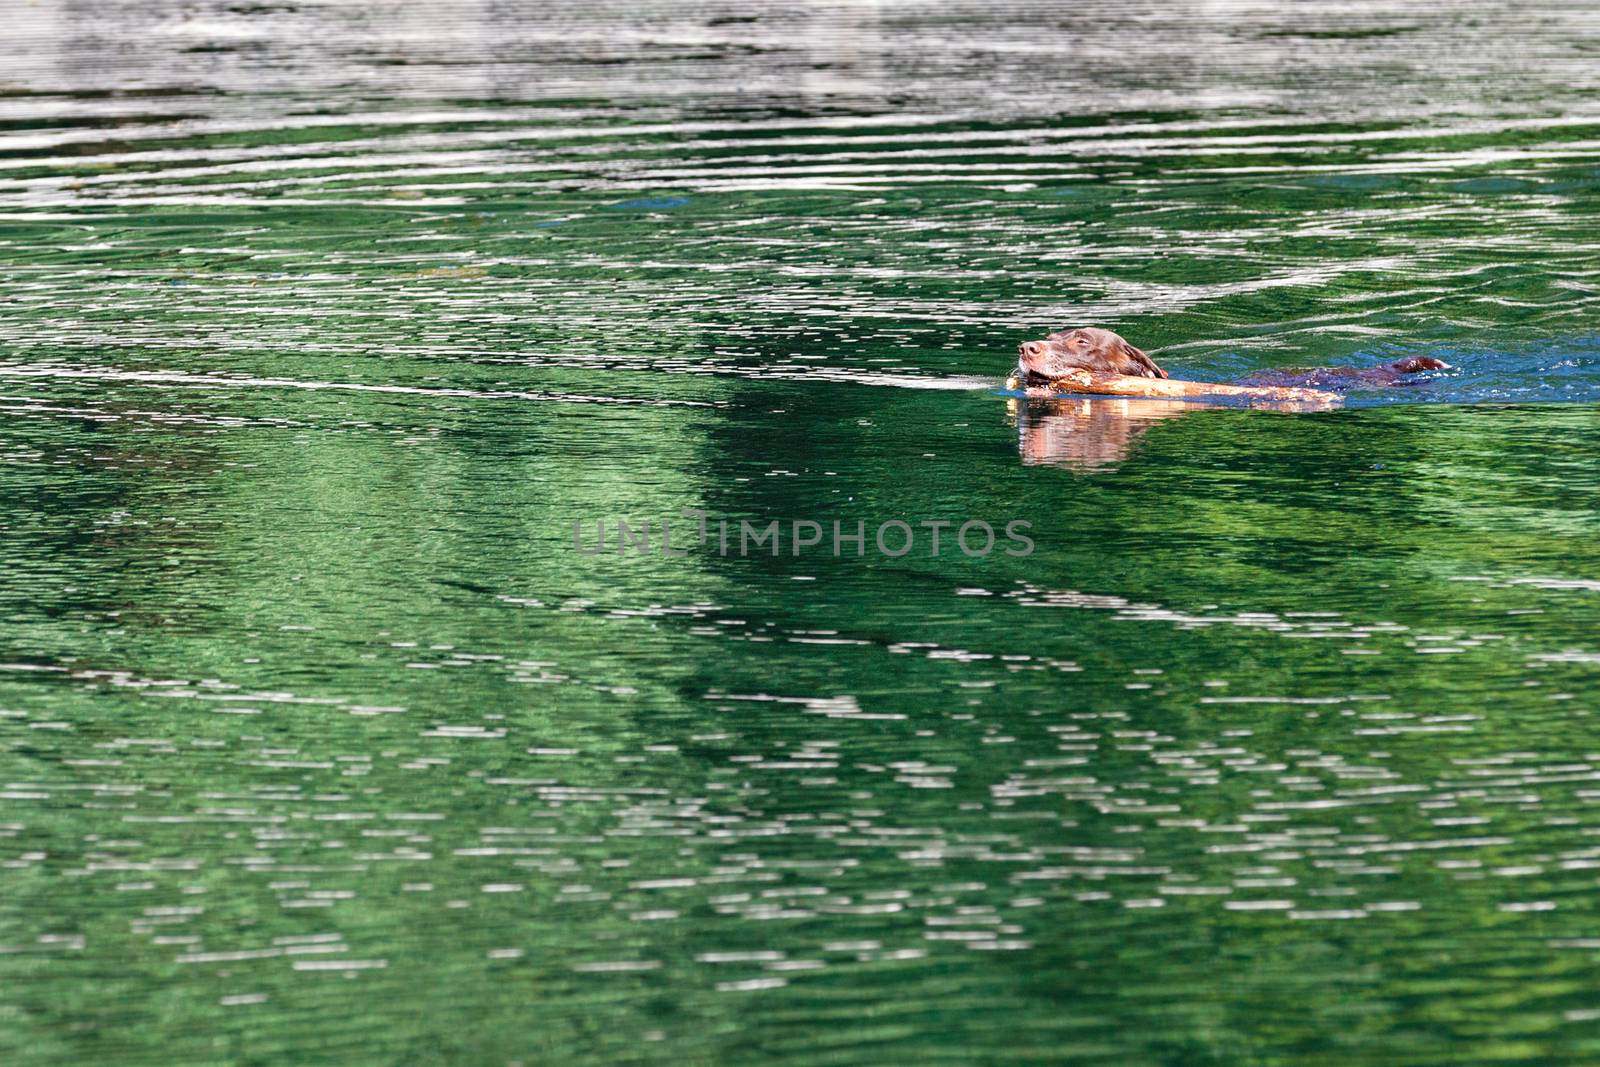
(1089, 349)
(1059, 363)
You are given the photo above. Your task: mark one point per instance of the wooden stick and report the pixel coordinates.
(1084, 381)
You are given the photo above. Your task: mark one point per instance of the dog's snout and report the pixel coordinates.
(1031, 348)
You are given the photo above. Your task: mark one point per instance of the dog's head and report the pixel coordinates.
(1088, 348)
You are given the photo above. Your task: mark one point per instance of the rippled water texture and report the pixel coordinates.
(322, 324)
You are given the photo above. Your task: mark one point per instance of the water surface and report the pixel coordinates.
(321, 327)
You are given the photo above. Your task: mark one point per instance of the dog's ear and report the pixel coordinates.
(1147, 366)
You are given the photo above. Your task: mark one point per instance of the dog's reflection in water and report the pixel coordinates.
(1088, 434)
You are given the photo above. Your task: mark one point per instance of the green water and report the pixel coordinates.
(322, 742)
